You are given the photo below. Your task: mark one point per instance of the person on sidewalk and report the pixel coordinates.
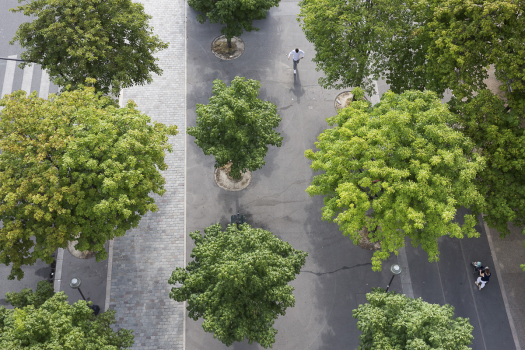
(483, 278)
(297, 55)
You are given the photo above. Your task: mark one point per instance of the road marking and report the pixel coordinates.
(406, 280)
(27, 78)
(44, 85)
(9, 76)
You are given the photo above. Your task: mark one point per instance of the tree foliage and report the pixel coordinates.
(73, 166)
(500, 138)
(236, 15)
(394, 321)
(58, 325)
(236, 126)
(402, 160)
(238, 282)
(44, 291)
(72, 40)
(418, 44)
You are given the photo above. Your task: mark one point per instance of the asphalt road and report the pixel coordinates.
(337, 274)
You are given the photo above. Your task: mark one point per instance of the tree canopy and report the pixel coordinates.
(236, 16)
(238, 282)
(110, 41)
(394, 321)
(236, 126)
(44, 291)
(418, 44)
(58, 325)
(399, 169)
(74, 167)
(500, 137)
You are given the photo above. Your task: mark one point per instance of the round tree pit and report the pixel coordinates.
(86, 254)
(220, 48)
(344, 99)
(365, 242)
(224, 181)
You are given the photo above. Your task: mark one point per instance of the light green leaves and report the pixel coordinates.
(394, 321)
(58, 325)
(238, 282)
(236, 126)
(404, 164)
(110, 41)
(236, 15)
(75, 165)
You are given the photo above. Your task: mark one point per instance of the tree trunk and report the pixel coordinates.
(229, 41)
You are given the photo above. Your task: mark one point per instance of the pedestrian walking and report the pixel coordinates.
(484, 276)
(296, 55)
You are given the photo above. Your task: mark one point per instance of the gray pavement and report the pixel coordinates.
(337, 274)
(144, 259)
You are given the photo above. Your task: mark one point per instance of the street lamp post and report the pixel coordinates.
(396, 270)
(75, 284)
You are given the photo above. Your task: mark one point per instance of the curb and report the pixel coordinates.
(58, 270)
(501, 285)
(108, 276)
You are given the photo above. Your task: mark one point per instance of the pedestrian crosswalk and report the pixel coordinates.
(33, 78)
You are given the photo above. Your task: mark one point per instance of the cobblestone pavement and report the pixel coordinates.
(144, 259)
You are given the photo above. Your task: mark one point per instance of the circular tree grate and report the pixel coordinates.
(224, 181)
(220, 48)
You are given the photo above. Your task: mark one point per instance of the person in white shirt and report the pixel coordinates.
(297, 55)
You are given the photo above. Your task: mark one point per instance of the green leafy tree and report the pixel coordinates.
(435, 45)
(72, 40)
(73, 166)
(236, 15)
(44, 291)
(238, 282)
(399, 169)
(499, 135)
(418, 44)
(58, 325)
(236, 126)
(394, 321)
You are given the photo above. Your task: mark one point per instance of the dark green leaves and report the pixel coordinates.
(109, 40)
(394, 321)
(238, 282)
(236, 15)
(404, 160)
(75, 165)
(236, 126)
(500, 138)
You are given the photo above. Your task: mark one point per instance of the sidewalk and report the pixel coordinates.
(145, 257)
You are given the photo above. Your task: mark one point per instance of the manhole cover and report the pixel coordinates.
(220, 48)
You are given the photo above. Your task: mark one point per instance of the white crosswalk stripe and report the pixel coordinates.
(11, 79)
(28, 77)
(44, 85)
(9, 76)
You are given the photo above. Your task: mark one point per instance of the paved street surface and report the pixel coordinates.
(337, 274)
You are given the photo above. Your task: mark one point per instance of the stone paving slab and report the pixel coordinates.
(144, 259)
